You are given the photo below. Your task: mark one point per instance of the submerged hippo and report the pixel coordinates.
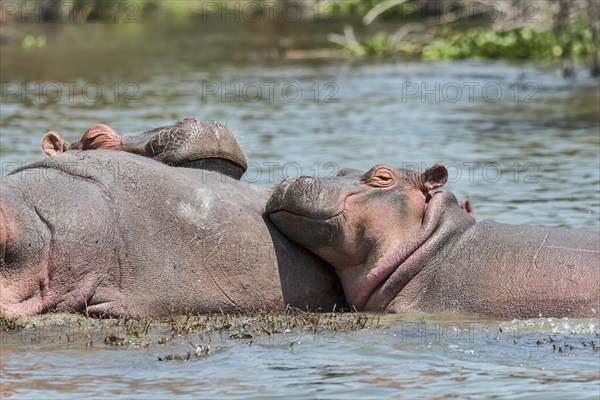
(110, 232)
(187, 143)
(399, 245)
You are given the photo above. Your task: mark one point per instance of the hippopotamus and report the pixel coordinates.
(400, 244)
(116, 233)
(187, 143)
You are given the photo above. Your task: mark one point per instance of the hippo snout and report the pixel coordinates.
(276, 201)
(293, 195)
(307, 196)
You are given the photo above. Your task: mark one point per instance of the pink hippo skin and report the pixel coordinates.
(399, 244)
(115, 233)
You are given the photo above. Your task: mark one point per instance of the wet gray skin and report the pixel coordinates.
(106, 232)
(187, 143)
(400, 244)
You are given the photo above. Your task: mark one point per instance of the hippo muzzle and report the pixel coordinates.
(308, 210)
(306, 196)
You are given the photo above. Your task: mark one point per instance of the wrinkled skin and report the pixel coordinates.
(108, 232)
(187, 143)
(399, 244)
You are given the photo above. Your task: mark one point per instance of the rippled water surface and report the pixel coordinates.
(521, 142)
(394, 356)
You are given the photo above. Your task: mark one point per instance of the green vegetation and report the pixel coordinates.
(559, 31)
(140, 8)
(521, 43)
(353, 7)
(539, 30)
(379, 45)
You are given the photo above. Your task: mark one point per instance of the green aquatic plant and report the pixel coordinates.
(449, 43)
(521, 43)
(560, 31)
(32, 42)
(379, 44)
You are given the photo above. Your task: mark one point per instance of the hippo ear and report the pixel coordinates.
(53, 144)
(100, 136)
(434, 177)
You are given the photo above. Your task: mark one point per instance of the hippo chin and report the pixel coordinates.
(108, 232)
(187, 143)
(399, 244)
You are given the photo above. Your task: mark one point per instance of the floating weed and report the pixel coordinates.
(563, 347)
(240, 336)
(199, 351)
(113, 340)
(255, 327)
(11, 324)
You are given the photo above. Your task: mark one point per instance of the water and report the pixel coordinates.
(410, 355)
(533, 159)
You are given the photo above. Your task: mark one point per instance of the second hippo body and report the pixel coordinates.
(107, 232)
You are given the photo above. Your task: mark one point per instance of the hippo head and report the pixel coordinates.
(341, 218)
(186, 143)
(363, 224)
